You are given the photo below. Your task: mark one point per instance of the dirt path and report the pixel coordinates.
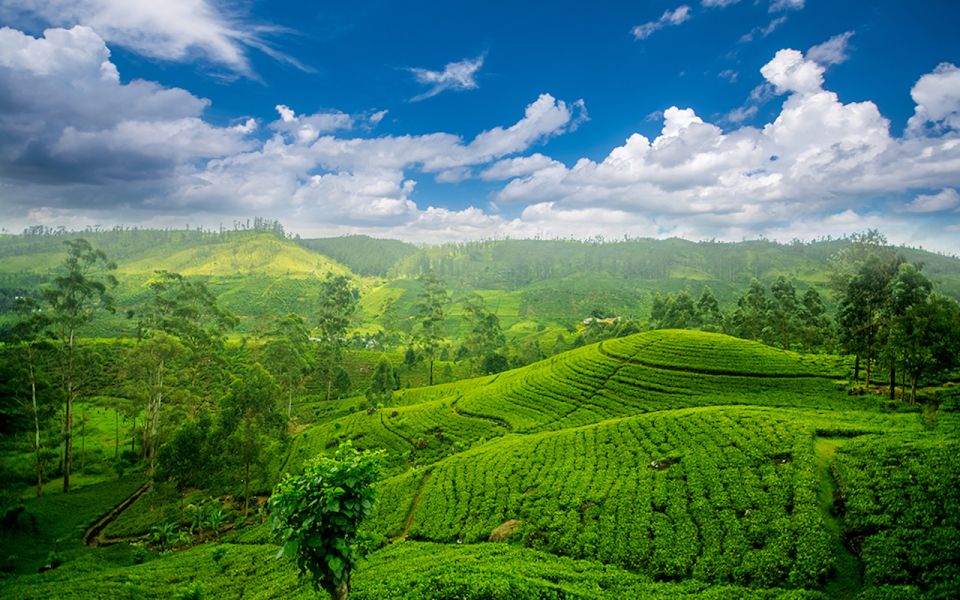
(847, 581)
(93, 536)
(413, 508)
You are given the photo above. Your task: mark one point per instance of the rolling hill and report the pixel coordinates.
(663, 464)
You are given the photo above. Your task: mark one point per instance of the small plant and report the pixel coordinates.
(317, 514)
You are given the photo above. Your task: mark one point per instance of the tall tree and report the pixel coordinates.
(862, 310)
(74, 298)
(249, 418)
(382, 384)
(681, 312)
(749, 320)
(28, 334)
(288, 355)
(431, 314)
(708, 307)
(153, 362)
(338, 303)
(815, 329)
(485, 338)
(784, 313)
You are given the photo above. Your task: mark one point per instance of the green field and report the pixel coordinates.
(664, 464)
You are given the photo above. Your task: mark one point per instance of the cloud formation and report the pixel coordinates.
(138, 151)
(669, 18)
(173, 30)
(460, 75)
(834, 51)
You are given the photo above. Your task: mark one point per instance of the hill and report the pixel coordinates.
(663, 464)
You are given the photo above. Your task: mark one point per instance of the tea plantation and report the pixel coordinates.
(667, 464)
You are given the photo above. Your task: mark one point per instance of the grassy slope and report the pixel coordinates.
(572, 447)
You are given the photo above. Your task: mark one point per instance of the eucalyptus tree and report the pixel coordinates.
(485, 339)
(337, 304)
(431, 312)
(289, 355)
(73, 299)
(28, 333)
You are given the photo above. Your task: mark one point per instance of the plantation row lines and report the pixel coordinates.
(719, 495)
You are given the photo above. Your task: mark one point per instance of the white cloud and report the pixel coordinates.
(718, 3)
(729, 74)
(833, 51)
(103, 129)
(819, 157)
(669, 18)
(375, 118)
(937, 96)
(305, 129)
(945, 199)
(509, 168)
(789, 71)
(459, 75)
(764, 31)
(175, 30)
(782, 5)
(139, 151)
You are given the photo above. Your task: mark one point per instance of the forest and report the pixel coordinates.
(496, 419)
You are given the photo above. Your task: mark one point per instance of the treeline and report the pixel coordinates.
(888, 314)
(210, 414)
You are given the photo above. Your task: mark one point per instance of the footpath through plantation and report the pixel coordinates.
(666, 464)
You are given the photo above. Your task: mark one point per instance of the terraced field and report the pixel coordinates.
(664, 464)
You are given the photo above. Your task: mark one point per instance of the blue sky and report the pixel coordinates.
(448, 121)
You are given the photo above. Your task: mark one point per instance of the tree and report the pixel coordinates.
(317, 515)
(289, 355)
(188, 311)
(708, 307)
(928, 336)
(153, 361)
(750, 317)
(862, 309)
(681, 313)
(27, 332)
(382, 384)
(248, 419)
(784, 312)
(431, 313)
(815, 328)
(659, 310)
(485, 338)
(338, 303)
(74, 298)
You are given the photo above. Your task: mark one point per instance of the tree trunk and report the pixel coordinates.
(867, 376)
(342, 591)
(68, 418)
(903, 384)
(36, 425)
(913, 388)
(431, 371)
(246, 488)
(856, 369)
(893, 381)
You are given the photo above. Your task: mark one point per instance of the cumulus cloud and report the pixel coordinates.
(937, 96)
(103, 129)
(460, 75)
(834, 51)
(142, 151)
(175, 30)
(945, 199)
(305, 129)
(669, 18)
(718, 3)
(818, 157)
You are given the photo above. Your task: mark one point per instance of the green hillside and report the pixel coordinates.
(663, 464)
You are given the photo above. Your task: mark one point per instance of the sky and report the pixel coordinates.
(434, 122)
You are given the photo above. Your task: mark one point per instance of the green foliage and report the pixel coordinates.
(382, 385)
(317, 515)
(431, 316)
